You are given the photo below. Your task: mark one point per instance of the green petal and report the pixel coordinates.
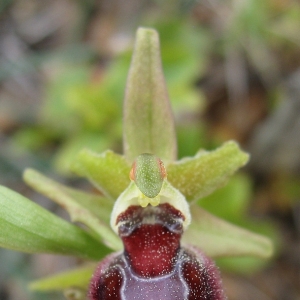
(27, 227)
(148, 120)
(217, 237)
(108, 171)
(81, 210)
(79, 278)
(199, 176)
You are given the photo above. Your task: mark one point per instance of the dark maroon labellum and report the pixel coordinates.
(153, 266)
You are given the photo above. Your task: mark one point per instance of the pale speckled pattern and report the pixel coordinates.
(153, 266)
(180, 284)
(170, 286)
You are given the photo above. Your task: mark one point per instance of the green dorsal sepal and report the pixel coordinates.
(148, 172)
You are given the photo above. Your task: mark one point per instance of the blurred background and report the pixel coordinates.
(233, 72)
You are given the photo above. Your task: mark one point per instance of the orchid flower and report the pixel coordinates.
(147, 213)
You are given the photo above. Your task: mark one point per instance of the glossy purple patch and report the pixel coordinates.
(153, 266)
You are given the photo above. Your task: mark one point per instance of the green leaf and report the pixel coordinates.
(199, 176)
(148, 120)
(217, 237)
(80, 210)
(79, 278)
(242, 264)
(27, 227)
(108, 171)
(96, 204)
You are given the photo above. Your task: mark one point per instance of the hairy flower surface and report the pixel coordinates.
(153, 265)
(145, 217)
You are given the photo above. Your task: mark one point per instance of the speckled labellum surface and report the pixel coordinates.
(153, 265)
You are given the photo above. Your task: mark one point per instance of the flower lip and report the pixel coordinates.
(137, 216)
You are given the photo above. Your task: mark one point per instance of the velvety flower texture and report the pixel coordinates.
(153, 265)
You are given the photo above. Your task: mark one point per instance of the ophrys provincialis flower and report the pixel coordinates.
(150, 217)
